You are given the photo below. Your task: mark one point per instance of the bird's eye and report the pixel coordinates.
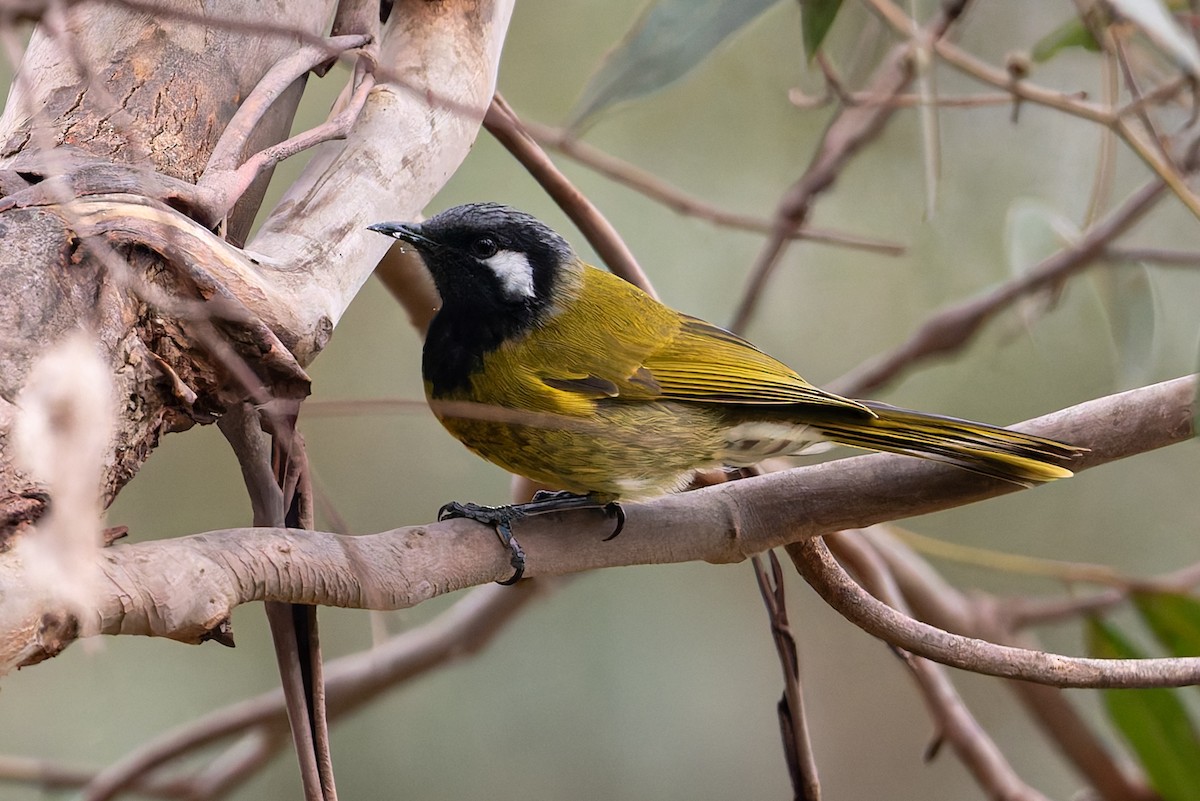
(484, 248)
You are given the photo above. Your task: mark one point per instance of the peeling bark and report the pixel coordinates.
(103, 148)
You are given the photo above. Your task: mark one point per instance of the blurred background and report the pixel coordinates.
(661, 682)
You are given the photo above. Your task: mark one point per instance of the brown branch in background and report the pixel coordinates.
(952, 327)
(851, 129)
(502, 122)
(1149, 149)
(978, 752)
(657, 189)
(793, 722)
(807, 102)
(840, 591)
(52, 776)
(351, 682)
(1022, 89)
(237, 764)
(936, 601)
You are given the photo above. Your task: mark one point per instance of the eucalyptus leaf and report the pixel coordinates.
(1173, 618)
(1154, 722)
(1126, 294)
(1033, 232)
(816, 18)
(667, 41)
(1072, 33)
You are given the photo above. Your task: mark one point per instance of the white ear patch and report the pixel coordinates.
(514, 271)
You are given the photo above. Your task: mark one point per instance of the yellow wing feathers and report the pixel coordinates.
(655, 353)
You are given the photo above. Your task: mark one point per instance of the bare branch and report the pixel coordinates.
(978, 752)
(937, 602)
(793, 722)
(502, 122)
(350, 682)
(181, 588)
(846, 135)
(951, 328)
(832, 583)
(655, 188)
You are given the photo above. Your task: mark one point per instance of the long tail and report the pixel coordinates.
(978, 447)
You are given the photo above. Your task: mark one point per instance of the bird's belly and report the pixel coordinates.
(620, 450)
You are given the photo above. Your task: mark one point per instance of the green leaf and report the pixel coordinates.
(1034, 231)
(1072, 33)
(668, 40)
(1153, 722)
(816, 18)
(1126, 295)
(1173, 618)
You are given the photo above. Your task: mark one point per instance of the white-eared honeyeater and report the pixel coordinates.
(575, 378)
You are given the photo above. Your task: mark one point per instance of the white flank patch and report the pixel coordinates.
(750, 443)
(514, 271)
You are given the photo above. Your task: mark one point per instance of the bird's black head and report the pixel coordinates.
(496, 269)
(487, 257)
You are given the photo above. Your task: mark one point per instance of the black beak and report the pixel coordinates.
(405, 232)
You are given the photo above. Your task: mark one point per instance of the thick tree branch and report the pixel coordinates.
(184, 587)
(99, 204)
(417, 126)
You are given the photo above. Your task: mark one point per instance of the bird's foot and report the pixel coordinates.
(544, 502)
(500, 518)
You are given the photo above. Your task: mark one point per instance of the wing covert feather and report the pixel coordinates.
(614, 335)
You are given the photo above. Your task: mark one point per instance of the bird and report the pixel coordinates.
(569, 375)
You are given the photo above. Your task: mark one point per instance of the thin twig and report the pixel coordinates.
(51, 776)
(937, 602)
(978, 752)
(222, 188)
(793, 722)
(502, 122)
(655, 188)
(227, 153)
(953, 327)
(849, 131)
(905, 100)
(832, 583)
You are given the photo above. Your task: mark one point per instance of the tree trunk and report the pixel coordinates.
(115, 220)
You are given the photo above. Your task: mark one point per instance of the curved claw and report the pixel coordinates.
(615, 509)
(517, 557)
(500, 518)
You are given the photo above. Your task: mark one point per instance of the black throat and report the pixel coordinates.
(458, 339)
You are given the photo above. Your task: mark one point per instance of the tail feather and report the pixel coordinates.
(998, 452)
